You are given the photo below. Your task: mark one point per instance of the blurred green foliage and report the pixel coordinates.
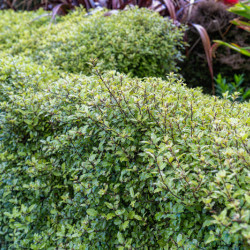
(16, 25)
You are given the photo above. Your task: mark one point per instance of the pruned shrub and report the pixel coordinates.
(20, 74)
(15, 25)
(136, 41)
(107, 162)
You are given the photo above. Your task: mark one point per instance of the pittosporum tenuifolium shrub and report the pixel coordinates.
(107, 162)
(20, 74)
(16, 25)
(136, 41)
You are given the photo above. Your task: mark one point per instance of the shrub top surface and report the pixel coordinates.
(107, 161)
(136, 41)
(15, 25)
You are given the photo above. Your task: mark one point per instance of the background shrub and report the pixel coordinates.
(19, 74)
(15, 25)
(136, 41)
(106, 162)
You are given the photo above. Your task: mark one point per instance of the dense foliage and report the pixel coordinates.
(223, 87)
(15, 25)
(106, 161)
(137, 41)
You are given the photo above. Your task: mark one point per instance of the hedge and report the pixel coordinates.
(106, 161)
(18, 74)
(16, 25)
(136, 41)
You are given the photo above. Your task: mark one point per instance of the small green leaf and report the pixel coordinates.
(110, 216)
(92, 212)
(138, 217)
(211, 238)
(109, 205)
(125, 225)
(131, 190)
(120, 238)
